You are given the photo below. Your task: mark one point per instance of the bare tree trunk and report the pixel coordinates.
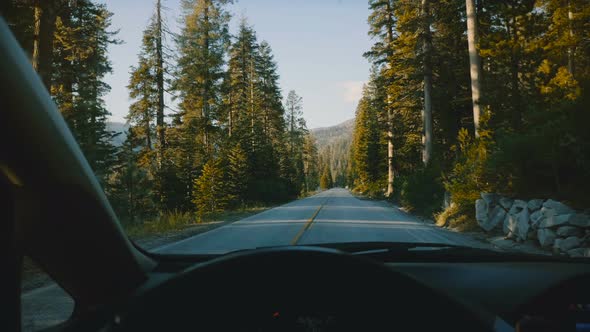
(43, 40)
(160, 126)
(252, 120)
(292, 131)
(390, 170)
(229, 116)
(390, 173)
(148, 134)
(512, 29)
(427, 111)
(570, 49)
(205, 107)
(474, 62)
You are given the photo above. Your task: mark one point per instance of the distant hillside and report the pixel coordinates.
(118, 127)
(336, 137)
(334, 147)
(326, 135)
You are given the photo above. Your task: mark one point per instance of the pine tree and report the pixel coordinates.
(210, 189)
(146, 113)
(202, 45)
(270, 97)
(238, 174)
(296, 130)
(142, 88)
(326, 181)
(241, 117)
(130, 186)
(310, 163)
(366, 143)
(44, 26)
(382, 23)
(159, 75)
(427, 70)
(81, 41)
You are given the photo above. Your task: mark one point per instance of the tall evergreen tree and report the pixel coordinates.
(241, 117)
(238, 174)
(427, 139)
(382, 23)
(202, 45)
(296, 129)
(146, 113)
(326, 181)
(310, 163)
(366, 143)
(80, 51)
(44, 26)
(210, 189)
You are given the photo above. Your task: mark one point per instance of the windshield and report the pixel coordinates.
(220, 125)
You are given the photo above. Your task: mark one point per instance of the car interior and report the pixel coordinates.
(117, 286)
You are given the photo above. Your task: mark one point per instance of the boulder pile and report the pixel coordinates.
(550, 223)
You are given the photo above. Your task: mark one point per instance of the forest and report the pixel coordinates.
(463, 97)
(471, 96)
(229, 140)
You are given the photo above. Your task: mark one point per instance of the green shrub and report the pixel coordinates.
(375, 189)
(270, 190)
(211, 190)
(549, 158)
(470, 174)
(164, 222)
(445, 217)
(422, 191)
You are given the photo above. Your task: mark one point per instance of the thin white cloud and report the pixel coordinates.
(351, 90)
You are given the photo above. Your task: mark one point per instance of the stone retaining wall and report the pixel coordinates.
(549, 223)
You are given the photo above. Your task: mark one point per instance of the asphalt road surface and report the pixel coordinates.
(328, 217)
(331, 216)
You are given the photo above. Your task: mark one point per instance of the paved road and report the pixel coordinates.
(331, 216)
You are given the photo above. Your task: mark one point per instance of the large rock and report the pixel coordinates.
(580, 220)
(517, 206)
(488, 218)
(557, 207)
(481, 210)
(506, 202)
(532, 235)
(502, 242)
(508, 224)
(567, 243)
(546, 237)
(577, 252)
(495, 217)
(535, 204)
(566, 231)
(517, 221)
(536, 217)
(551, 218)
(557, 244)
(490, 198)
(522, 220)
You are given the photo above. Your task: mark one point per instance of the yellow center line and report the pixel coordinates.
(307, 224)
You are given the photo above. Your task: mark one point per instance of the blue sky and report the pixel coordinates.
(318, 45)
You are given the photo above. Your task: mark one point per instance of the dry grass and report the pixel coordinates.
(453, 217)
(175, 221)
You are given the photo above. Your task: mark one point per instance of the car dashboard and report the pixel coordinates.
(296, 293)
(550, 293)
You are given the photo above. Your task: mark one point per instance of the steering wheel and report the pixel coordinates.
(296, 289)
